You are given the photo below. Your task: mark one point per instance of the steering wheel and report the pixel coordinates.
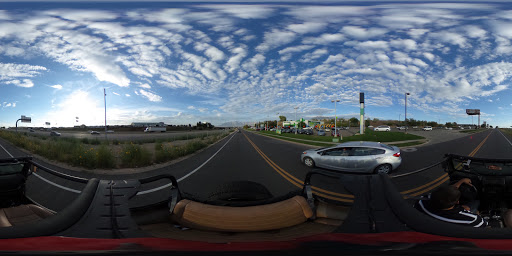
(468, 192)
(464, 187)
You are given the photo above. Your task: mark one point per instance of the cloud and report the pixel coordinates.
(11, 71)
(276, 38)
(363, 33)
(150, 96)
(127, 95)
(27, 83)
(57, 86)
(249, 11)
(115, 93)
(307, 27)
(324, 39)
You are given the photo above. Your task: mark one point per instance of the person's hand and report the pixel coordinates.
(464, 180)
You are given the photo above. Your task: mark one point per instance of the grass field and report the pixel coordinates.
(368, 136)
(408, 144)
(472, 131)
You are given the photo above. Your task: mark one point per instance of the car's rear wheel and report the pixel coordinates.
(383, 168)
(309, 162)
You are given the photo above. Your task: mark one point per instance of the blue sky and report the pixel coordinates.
(220, 62)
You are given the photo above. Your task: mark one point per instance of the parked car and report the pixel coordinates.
(54, 133)
(401, 128)
(308, 131)
(355, 156)
(321, 132)
(94, 132)
(338, 131)
(382, 128)
(427, 128)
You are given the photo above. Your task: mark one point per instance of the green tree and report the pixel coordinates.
(246, 126)
(282, 118)
(354, 120)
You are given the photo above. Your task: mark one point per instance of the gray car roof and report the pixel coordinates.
(360, 143)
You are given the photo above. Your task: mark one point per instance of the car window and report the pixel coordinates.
(386, 146)
(339, 152)
(365, 151)
(10, 169)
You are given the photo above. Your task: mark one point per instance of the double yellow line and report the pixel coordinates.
(350, 198)
(299, 183)
(440, 180)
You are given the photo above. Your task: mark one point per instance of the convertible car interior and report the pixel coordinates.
(106, 208)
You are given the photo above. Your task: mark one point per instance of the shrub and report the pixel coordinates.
(105, 158)
(134, 155)
(95, 142)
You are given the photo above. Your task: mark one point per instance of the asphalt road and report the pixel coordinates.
(273, 163)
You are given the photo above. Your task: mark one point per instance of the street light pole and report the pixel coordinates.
(406, 112)
(335, 118)
(296, 126)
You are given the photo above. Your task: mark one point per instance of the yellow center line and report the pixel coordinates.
(425, 185)
(443, 177)
(297, 182)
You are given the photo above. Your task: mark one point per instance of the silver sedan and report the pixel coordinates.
(360, 156)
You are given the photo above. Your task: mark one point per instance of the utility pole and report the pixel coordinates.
(406, 111)
(361, 122)
(105, 100)
(335, 118)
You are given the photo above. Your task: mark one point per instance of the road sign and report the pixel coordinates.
(25, 119)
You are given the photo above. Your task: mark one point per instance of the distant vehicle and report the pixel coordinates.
(95, 132)
(338, 131)
(382, 128)
(54, 133)
(321, 133)
(160, 129)
(415, 127)
(110, 131)
(401, 128)
(449, 128)
(427, 128)
(355, 156)
(308, 131)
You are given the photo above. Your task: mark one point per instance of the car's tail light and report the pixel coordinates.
(397, 154)
(304, 153)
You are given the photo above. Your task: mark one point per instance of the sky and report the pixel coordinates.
(181, 63)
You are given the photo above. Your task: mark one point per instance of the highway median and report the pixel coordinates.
(393, 138)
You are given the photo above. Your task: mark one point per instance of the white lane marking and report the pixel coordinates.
(6, 150)
(190, 173)
(57, 185)
(505, 138)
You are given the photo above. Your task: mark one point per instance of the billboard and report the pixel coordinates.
(473, 111)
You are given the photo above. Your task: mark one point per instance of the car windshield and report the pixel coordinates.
(136, 117)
